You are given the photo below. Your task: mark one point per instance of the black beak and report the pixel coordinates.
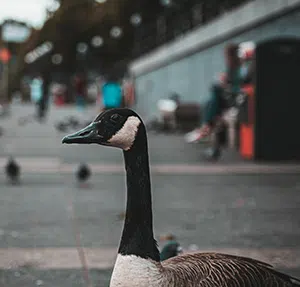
(86, 135)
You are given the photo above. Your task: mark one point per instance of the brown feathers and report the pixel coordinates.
(222, 270)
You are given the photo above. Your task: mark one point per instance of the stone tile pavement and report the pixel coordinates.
(231, 206)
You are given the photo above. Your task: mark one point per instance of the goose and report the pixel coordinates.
(138, 260)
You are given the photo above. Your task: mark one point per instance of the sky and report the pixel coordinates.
(32, 12)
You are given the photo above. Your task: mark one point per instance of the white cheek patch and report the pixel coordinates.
(125, 137)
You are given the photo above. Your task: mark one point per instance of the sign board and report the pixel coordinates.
(38, 52)
(15, 32)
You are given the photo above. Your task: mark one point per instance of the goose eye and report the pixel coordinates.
(114, 118)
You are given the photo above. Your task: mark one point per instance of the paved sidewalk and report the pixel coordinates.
(231, 206)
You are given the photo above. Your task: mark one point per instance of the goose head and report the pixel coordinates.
(116, 128)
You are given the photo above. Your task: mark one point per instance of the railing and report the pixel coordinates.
(178, 21)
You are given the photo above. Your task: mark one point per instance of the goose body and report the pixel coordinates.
(197, 270)
(138, 261)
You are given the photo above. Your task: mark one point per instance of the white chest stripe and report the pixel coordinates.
(133, 271)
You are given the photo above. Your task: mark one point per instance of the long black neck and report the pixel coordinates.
(137, 238)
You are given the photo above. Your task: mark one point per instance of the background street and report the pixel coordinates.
(230, 206)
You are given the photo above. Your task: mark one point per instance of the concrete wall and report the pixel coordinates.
(190, 72)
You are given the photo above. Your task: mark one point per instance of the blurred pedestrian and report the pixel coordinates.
(128, 92)
(44, 100)
(80, 91)
(36, 89)
(222, 96)
(112, 96)
(36, 93)
(100, 81)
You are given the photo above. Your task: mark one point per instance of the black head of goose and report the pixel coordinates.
(138, 261)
